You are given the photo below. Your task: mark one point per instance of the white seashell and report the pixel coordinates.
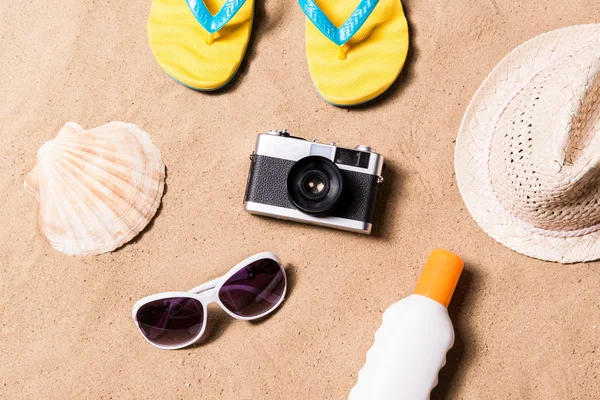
(97, 188)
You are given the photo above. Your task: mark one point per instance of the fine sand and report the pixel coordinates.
(525, 329)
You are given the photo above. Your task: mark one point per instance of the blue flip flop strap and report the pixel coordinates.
(345, 32)
(212, 23)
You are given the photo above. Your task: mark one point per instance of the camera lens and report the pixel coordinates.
(314, 185)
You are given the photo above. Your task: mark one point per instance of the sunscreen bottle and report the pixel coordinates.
(416, 333)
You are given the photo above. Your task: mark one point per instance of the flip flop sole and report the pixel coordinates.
(181, 45)
(375, 55)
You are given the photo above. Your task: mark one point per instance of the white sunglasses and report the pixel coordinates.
(252, 289)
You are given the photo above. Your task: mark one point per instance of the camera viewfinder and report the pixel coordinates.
(352, 158)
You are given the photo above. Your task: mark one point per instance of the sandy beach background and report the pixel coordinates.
(525, 329)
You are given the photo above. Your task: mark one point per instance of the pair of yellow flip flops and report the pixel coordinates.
(355, 48)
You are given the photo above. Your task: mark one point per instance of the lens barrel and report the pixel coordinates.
(315, 185)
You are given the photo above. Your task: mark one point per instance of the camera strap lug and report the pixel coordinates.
(380, 179)
(252, 159)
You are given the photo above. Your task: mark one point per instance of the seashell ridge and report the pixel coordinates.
(97, 189)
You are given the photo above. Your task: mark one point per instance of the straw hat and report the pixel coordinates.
(528, 150)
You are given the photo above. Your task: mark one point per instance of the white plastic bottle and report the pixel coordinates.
(411, 344)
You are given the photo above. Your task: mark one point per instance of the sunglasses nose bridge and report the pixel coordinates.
(208, 297)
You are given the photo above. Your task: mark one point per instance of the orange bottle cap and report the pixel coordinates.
(440, 276)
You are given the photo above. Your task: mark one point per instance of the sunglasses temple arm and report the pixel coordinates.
(206, 286)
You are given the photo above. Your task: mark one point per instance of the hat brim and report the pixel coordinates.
(472, 146)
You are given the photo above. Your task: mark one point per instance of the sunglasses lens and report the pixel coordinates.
(255, 289)
(171, 322)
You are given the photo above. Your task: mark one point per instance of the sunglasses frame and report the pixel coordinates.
(208, 293)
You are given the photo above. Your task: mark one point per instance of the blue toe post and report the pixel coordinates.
(345, 32)
(212, 23)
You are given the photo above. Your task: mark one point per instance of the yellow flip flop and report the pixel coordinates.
(200, 43)
(354, 52)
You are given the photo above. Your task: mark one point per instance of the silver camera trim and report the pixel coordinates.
(289, 214)
(289, 148)
(281, 145)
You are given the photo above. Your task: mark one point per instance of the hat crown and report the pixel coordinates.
(544, 159)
